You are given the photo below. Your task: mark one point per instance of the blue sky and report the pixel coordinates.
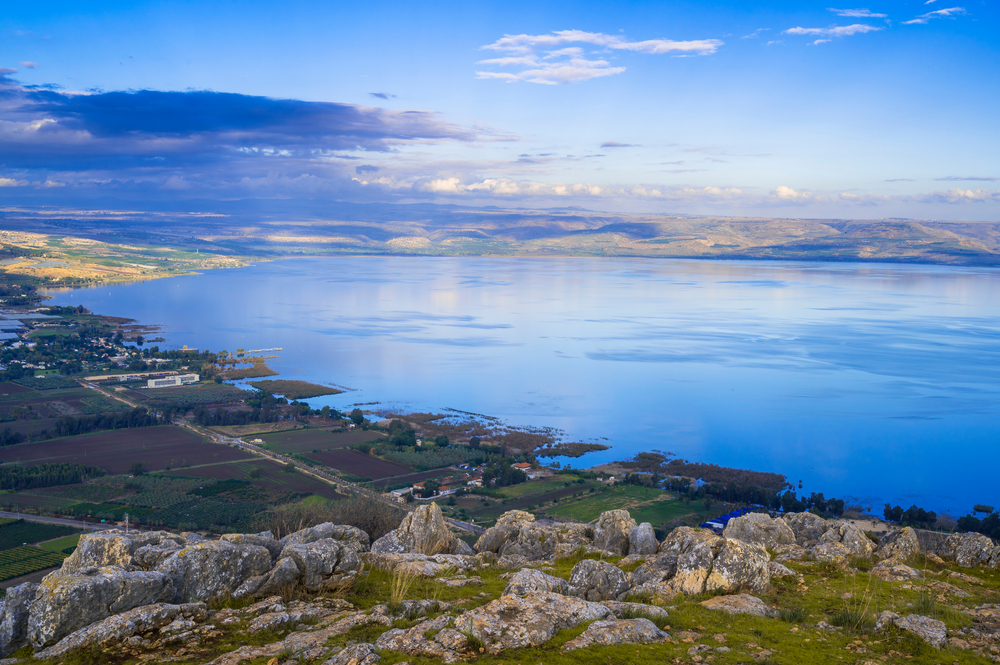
(783, 109)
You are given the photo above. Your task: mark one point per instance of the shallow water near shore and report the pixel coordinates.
(874, 381)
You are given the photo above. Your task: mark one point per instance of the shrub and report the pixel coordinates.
(374, 517)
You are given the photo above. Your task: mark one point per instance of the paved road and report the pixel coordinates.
(58, 520)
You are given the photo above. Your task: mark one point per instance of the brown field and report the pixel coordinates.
(28, 426)
(7, 388)
(308, 440)
(272, 476)
(22, 500)
(156, 447)
(414, 477)
(359, 464)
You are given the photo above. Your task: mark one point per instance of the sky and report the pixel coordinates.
(727, 108)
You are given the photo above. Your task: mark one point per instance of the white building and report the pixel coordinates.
(175, 380)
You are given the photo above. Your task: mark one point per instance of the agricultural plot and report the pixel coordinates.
(271, 476)
(409, 479)
(24, 560)
(8, 388)
(17, 500)
(155, 447)
(61, 544)
(358, 464)
(196, 395)
(308, 440)
(644, 503)
(18, 532)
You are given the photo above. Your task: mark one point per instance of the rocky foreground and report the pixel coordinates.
(789, 590)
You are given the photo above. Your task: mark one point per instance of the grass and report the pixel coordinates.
(645, 504)
(60, 544)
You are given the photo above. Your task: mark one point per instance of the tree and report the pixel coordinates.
(357, 416)
(982, 508)
(136, 469)
(474, 442)
(708, 503)
(289, 468)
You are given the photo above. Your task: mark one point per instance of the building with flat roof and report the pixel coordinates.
(175, 380)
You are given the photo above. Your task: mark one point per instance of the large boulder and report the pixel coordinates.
(115, 547)
(740, 604)
(14, 617)
(831, 552)
(598, 580)
(659, 568)
(740, 566)
(265, 540)
(642, 540)
(969, 549)
(694, 566)
(346, 534)
(617, 631)
(898, 546)
(851, 537)
(325, 565)
(422, 565)
(530, 580)
(423, 531)
(930, 630)
(760, 529)
(514, 622)
(684, 539)
(213, 569)
(517, 534)
(612, 531)
(807, 527)
(65, 603)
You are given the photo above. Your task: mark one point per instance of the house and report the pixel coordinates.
(523, 466)
(400, 494)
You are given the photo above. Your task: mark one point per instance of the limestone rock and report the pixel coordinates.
(969, 549)
(740, 604)
(530, 580)
(835, 553)
(899, 572)
(356, 654)
(807, 528)
(513, 622)
(446, 645)
(423, 531)
(655, 569)
(740, 566)
(642, 541)
(518, 535)
(265, 540)
(148, 557)
(790, 553)
(65, 603)
(341, 532)
(506, 528)
(213, 569)
(899, 546)
(684, 539)
(283, 576)
(597, 580)
(325, 565)
(617, 631)
(612, 531)
(851, 537)
(929, 630)
(14, 617)
(116, 628)
(778, 570)
(760, 529)
(694, 567)
(114, 547)
(625, 610)
(420, 564)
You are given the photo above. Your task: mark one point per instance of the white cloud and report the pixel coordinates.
(789, 194)
(755, 33)
(542, 61)
(819, 41)
(834, 30)
(950, 12)
(857, 13)
(27, 64)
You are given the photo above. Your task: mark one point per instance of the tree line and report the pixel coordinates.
(16, 477)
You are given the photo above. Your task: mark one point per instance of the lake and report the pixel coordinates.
(872, 381)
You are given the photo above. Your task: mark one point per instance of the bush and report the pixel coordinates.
(374, 517)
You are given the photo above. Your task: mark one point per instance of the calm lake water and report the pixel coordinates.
(880, 382)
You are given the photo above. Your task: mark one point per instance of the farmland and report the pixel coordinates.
(12, 500)
(14, 533)
(359, 464)
(308, 440)
(155, 447)
(646, 504)
(294, 389)
(272, 476)
(189, 396)
(27, 559)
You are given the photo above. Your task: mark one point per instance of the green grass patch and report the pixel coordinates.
(18, 532)
(61, 544)
(23, 560)
(646, 504)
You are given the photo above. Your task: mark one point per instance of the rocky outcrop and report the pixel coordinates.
(446, 644)
(740, 604)
(759, 529)
(642, 541)
(684, 539)
(117, 548)
(65, 603)
(612, 532)
(598, 580)
(356, 654)
(213, 569)
(807, 528)
(324, 565)
(421, 565)
(14, 618)
(833, 553)
(704, 564)
(740, 566)
(898, 546)
(851, 537)
(899, 572)
(423, 531)
(971, 549)
(529, 581)
(265, 540)
(659, 568)
(777, 570)
(517, 534)
(617, 631)
(514, 622)
(930, 630)
(346, 535)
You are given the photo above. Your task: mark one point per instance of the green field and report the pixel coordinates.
(541, 486)
(27, 559)
(23, 500)
(646, 504)
(308, 440)
(60, 544)
(18, 532)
